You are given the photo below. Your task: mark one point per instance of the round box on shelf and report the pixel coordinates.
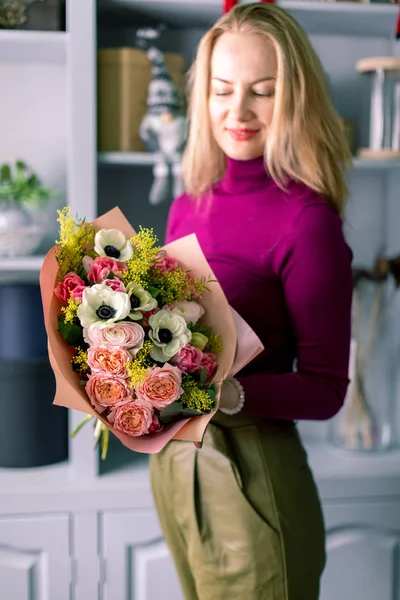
(23, 334)
(384, 127)
(33, 432)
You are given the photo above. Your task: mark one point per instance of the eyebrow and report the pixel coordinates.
(253, 82)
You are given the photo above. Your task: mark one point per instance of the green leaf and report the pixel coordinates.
(20, 165)
(203, 377)
(191, 412)
(197, 328)
(153, 291)
(176, 411)
(5, 173)
(70, 332)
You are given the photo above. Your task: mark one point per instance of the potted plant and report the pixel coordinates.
(20, 188)
(12, 14)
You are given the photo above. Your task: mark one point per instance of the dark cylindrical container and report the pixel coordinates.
(23, 335)
(33, 432)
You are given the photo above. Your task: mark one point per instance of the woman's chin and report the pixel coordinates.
(243, 150)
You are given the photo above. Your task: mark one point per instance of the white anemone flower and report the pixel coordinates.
(140, 301)
(113, 243)
(101, 305)
(169, 334)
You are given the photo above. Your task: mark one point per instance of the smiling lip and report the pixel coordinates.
(242, 135)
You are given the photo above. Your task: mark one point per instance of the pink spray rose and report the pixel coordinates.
(188, 358)
(122, 334)
(161, 387)
(65, 287)
(107, 390)
(77, 292)
(108, 359)
(101, 267)
(208, 362)
(166, 263)
(115, 284)
(156, 426)
(133, 418)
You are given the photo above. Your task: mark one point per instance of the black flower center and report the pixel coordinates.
(105, 312)
(135, 302)
(112, 251)
(165, 336)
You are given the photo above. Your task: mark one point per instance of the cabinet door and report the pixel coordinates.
(363, 552)
(34, 558)
(137, 564)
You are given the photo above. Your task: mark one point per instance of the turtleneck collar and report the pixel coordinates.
(243, 176)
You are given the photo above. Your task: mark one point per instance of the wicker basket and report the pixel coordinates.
(124, 75)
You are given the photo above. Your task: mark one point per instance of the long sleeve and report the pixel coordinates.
(314, 264)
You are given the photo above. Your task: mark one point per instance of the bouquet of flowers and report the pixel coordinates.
(139, 336)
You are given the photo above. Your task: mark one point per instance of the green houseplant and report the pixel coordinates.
(20, 188)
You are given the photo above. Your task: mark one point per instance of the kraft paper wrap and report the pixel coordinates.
(219, 315)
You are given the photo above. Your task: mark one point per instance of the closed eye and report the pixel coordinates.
(267, 95)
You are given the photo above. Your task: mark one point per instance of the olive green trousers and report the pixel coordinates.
(241, 515)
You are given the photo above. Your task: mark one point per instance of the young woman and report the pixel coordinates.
(265, 193)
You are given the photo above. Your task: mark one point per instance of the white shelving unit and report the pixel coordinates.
(324, 18)
(33, 46)
(107, 507)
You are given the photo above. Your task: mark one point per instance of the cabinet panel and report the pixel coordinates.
(137, 562)
(363, 552)
(35, 558)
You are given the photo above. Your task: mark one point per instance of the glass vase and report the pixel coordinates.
(366, 421)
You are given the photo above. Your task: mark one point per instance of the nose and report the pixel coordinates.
(240, 108)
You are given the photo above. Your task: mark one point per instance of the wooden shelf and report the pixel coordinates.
(33, 46)
(316, 17)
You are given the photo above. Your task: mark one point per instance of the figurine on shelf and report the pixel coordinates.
(163, 129)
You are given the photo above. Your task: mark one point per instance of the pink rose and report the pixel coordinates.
(108, 359)
(133, 418)
(123, 334)
(101, 267)
(156, 426)
(166, 263)
(105, 390)
(67, 285)
(115, 284)
(208, 362)
(188, 358)
(161, 387)
(77, 292)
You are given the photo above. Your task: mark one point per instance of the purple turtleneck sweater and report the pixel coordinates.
(284, 265)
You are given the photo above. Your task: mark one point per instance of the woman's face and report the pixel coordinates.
(242, 89)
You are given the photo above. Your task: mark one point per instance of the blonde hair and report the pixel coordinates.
(305, 140)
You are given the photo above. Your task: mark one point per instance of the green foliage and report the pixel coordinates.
(21, 184)
(70, 332)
